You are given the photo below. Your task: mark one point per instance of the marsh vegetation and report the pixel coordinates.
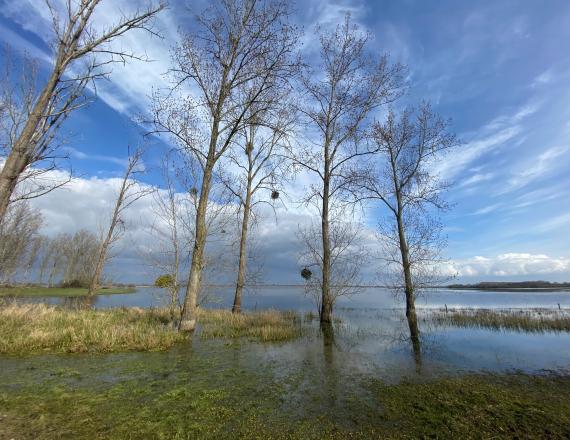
(521, 320)
(39, 328)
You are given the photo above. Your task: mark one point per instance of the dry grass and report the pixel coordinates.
(37, 328)
(265, 326)
(33, 328)
(523, 320)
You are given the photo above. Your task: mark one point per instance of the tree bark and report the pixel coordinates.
(22, 152)
(242, 249)
(94, 284)
(326, 300)
(408, 283)
(188, 317)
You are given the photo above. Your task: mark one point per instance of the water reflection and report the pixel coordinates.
(78, 302)
(376, 338)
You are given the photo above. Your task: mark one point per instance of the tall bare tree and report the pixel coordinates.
(406, 148)
(341, 92)
(242, 49)
(82, 54)
(129, 192)
(258, 157)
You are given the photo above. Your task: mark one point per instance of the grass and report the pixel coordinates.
(33, 328)
(480, 406)
(249, 407)
(30, 291)
(39, 328)
(265, 326)
(530, 321)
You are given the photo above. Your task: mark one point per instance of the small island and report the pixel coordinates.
(512, 285)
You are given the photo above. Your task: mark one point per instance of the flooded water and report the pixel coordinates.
(371, 338)
(294, 298)
(320, 373)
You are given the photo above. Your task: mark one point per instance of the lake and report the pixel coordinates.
(372, 335)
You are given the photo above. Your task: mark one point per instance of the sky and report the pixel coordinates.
(499, 70)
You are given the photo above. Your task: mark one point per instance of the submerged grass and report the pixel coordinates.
(468, 407)
(265, 326)
(529, 321)
(37, 328)
(31, 291)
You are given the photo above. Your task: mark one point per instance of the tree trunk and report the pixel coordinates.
(14, 166)
(105, 245)
(326, 300)
(94, 284)
(242, 250)
(408, 283)
(188, 317)
(22, 153)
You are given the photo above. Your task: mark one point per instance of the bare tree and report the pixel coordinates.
(241, 51)
(17, 235)
(407, 146)
(82, 55)
(170, 242)
(17, 98)
(347, 255)
(341, 93)
(258, 157)
(80, 252)
(36, 245)
(129, 192)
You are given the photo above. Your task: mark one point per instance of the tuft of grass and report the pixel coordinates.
(264, 326)
(33, 328)
(31, 291)
(521, 320)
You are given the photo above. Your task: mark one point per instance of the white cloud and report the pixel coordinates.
(512, 264)
(130, 84)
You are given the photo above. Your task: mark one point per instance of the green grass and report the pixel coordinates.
(191, 407)
(25, 291)
(530, 321)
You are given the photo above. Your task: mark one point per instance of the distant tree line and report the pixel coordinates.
(492, 285)
(26, 256)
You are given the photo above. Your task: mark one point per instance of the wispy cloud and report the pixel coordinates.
(76, 154)
(476, 179)
(539, 167)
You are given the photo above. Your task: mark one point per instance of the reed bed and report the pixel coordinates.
(521, 320)
(41, 328)
(32, 328)
(264, 326)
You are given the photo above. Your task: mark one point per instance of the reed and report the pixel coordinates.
(264, 326)
(521, 320)
(33, 328)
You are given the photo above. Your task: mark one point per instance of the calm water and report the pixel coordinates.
(314, 375)
(372, 335)
(293, 298)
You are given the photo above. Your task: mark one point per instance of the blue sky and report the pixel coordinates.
(500, 70)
